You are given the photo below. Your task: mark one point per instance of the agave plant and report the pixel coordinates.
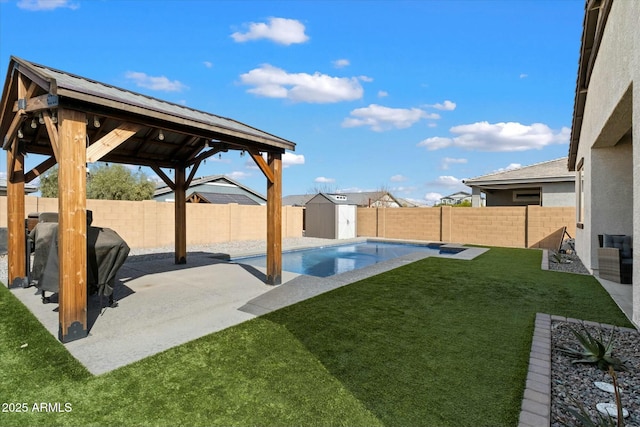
(595, 351)
(583, 417)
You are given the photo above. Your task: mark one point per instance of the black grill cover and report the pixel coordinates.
(106, 252)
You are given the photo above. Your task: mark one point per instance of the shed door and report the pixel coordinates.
(346, 221)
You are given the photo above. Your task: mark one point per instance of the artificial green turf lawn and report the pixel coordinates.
(439, 342)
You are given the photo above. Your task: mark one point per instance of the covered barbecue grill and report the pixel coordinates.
(106, 252)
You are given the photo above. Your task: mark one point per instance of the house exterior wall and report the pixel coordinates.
(611, 173)
(552, 194)
(558, 194)
(505, 197)
(149, 224)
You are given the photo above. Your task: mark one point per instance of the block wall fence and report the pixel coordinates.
(519, 226)
(149, 224)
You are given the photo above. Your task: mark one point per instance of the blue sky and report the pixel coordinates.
(409, 96)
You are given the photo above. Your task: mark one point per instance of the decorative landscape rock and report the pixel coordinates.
(571, 383)
(605, 386)
(611, 410)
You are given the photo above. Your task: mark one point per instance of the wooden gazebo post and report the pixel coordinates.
(180, 215)
(16, 241)
(72, 225)
(274, 219)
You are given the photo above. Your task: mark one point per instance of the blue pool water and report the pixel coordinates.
(329, 260)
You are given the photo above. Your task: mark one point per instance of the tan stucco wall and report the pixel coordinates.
(149, 224)
(519, 226)
(612, 174)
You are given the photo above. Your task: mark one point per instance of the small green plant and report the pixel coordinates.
(595, 351)
(559, 258)
(584, 419)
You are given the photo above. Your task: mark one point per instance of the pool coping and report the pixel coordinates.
(467, 253)
(303, 287)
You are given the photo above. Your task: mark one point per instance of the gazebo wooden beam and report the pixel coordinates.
(40, 169)
(72, 226)
(110, 141)
(262, 164)
(163, 176)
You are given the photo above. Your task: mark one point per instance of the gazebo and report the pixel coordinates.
(73, 121)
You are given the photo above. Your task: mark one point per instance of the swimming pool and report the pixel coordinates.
(330, 260)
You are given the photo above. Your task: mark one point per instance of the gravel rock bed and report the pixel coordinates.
(573, 264)
(575, 382)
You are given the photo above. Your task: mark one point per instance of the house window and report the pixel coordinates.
(580, 193)
(530, 197)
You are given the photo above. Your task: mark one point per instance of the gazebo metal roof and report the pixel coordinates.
(186, 132)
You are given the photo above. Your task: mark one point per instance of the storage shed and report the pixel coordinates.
(331, 216)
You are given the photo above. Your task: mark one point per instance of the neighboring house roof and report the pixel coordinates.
(214, 184)
(544, 172)
(364, 198)
(458, 195)
(297, 199)
(221, 199)
(406, 203)
(28, 188)
(337, 199)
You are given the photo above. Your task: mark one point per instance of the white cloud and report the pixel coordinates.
(398, 178)
(324, 180)
(273, 82)
(511, 136)
(341, 63)
(445, 106)
(433, 198)
(155, 83)
(448, 181)
(36, 5)
(289, 159)
(524, 76)
(238, 175)
(447, 161)
(510, 167)
(381, 118)
(279, 30)
(382, 93)
(208, 64)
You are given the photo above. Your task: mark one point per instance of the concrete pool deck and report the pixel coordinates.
(162, 305)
